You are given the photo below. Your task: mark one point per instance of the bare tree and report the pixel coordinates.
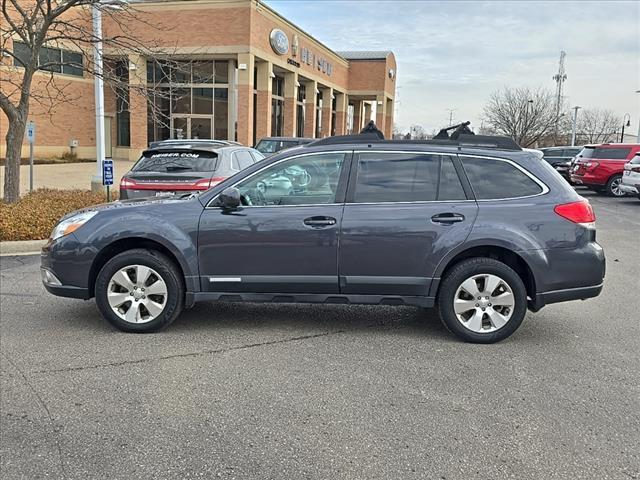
(524, 114)
(417, 132)
(596, 125)
(39, 25)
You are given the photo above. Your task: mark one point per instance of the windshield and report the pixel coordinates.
(176, 162)
(612, 153)
(273, 146)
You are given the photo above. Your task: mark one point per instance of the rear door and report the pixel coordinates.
(404, 212)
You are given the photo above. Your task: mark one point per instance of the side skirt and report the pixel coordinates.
(426, 302)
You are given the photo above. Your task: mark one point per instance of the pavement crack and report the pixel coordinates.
(192, 354)
(42, 403)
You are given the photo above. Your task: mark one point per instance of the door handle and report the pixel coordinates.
(319, 222)
(447, 218)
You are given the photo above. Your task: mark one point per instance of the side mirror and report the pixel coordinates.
(230, 198)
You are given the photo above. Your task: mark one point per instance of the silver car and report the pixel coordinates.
(631, 177)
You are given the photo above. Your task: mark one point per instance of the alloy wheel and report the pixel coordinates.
(615, 187)
(137, 294)
(484, 303)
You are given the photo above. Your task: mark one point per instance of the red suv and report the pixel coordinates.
(600, 167)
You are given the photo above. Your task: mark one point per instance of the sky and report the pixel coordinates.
(453, 55)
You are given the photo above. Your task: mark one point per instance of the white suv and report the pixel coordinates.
(631, 177)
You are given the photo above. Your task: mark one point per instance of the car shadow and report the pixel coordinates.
(229, 316)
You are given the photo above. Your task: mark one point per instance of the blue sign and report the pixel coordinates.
(31, 132)
(107, 172)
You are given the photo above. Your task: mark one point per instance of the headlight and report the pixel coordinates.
(71, 224)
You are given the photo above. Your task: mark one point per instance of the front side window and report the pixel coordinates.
(496, 179)
(306, 180)
(406, 177)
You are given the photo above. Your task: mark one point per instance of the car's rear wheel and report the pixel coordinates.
(140, 291)
(612, 188)
(482, 300)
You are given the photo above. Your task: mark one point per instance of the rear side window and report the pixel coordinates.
(496, 179)
(244, 159)
(613, 153)
(176, 162)
(406, 177)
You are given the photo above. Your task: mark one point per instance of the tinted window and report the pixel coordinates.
(397, 177)
(612, 153)
(272, 146)
(21, 53)
(553, 153)
(176, 162)
(310, 179)
(571, 152)
(450, 186)
(495, 179)
(72, 64)
(244, 159)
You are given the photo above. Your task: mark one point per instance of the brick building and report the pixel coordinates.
(249, 73)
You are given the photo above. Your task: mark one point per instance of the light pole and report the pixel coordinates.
(98, 87)
(628, 124)
(575, 122)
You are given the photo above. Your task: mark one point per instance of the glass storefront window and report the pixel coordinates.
(181, 100)
(203, 72)
(221, 114)
(277, 117)
(203, 101)
(222, 71)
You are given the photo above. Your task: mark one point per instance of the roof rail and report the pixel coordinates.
(472, 141)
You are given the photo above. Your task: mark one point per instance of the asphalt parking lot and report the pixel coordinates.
(324, 392)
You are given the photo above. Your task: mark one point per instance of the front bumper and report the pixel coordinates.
(60, 273)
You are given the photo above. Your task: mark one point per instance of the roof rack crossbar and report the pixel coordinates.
(469, 141)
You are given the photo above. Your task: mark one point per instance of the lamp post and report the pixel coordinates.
(575, 122)
(98, 87)
(627, 124)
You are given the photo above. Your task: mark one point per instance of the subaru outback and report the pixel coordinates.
(476, 227)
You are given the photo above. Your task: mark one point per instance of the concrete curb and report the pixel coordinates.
(21, 247)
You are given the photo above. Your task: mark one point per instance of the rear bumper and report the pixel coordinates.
(557, 296)
(632, 189)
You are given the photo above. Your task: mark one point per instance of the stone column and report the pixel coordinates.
(245, 99)
(310, 109)
(290, 91)
(327, 100)
(388, 131)
(263, 106)
(137, 106)
(367, 114)
(341, 113)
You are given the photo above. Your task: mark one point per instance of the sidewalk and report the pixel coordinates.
(65, 176)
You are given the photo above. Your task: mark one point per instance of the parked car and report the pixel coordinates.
(172, 167)
(560, 158)
(271, 145)
(600, 167)
(478, 227)
(631, 176)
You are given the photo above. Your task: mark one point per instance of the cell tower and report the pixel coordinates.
(559, 78)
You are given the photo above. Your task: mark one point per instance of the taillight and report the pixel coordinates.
(126, 183)
(591, 165)
(635, 169)
(577, 212)
(207, 183)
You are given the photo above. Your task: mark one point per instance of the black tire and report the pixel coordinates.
(609, 187)
(463, 271)
(166, 269)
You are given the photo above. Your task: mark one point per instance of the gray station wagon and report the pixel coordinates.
(476, 227)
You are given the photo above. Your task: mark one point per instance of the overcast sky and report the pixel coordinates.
(454, 54)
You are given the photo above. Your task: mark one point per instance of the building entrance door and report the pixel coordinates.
(191, 126)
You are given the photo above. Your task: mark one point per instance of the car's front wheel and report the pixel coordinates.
(140, 291)
(482, 300)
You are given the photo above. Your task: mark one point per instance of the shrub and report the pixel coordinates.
(36, 213)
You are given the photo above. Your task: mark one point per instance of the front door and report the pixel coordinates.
(404, 212)
(284, 239)
(191, 126)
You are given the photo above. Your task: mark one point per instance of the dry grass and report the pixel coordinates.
(35, 214)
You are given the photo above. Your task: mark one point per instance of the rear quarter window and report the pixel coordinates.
(611, 153)
(498, 179)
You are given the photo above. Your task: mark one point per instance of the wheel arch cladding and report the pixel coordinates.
(500, 253)
(131, 243)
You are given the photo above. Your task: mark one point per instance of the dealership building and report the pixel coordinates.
(236, 70)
